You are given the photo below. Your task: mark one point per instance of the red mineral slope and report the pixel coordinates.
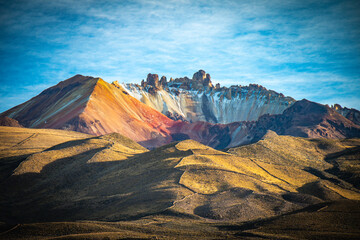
(91, 105)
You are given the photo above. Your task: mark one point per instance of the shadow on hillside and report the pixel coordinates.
(8, 165)
(350, 157)
(72, 189)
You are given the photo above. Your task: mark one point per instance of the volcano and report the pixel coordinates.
(158, 112)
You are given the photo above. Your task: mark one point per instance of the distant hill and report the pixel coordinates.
(307, 119)
(6, 121)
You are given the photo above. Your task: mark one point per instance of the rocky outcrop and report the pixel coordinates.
(350, 113)
(201, 78)
(153, 80)
(91, 105)
(197, 99)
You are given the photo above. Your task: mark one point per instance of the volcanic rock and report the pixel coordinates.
(350, 113)
(153, 80)
(197, 99)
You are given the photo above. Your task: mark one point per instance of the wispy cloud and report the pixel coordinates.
(305, 49)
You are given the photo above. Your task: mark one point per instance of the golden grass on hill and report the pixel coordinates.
(18, 141)
(112, 178)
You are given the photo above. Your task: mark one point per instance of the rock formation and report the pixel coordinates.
(350, 113)
(197, 99)
(91, 105)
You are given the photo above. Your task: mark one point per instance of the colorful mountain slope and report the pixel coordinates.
(90, 105)
(93, 106)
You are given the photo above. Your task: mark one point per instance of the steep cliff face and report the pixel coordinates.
(350, 113)
(197, 99)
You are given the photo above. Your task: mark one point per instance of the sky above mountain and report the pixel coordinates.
(304, 49)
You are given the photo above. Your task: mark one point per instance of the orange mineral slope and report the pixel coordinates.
(112, 109)
(91, 105)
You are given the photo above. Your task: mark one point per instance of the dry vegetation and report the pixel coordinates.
(181, 190)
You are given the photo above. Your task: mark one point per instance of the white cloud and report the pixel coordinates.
(286, 46)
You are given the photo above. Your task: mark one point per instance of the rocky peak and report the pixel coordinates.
(337, 107)
(153, 80)
(163, 81)
(153, 83)
(350, 113)
(201, 77)
(116, 84)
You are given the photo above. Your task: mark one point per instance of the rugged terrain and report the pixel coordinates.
(350, 113)
(93, 106)
(197, 99)
(182, 189)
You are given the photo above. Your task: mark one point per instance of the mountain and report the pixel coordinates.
(302, 119)
(197, 99)
(91, 105)
(112, 178)
(350, 113)
(307, 119)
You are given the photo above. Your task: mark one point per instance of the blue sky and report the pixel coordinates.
(304, 49)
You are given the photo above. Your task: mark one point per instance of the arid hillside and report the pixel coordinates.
(113, 178)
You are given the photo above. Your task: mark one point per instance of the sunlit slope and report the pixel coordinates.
(18, 143)
(93, 106)
(333, 163)
(112, 109)
(112, 178)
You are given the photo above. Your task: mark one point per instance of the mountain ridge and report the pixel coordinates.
(197, 99)
(91, 105)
